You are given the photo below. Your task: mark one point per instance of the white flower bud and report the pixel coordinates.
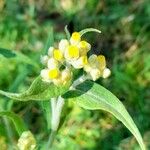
(44, 75)
(66, 75)
(50, 51)
(95, 74)
(26, 141)
(52, 63)
(80, 63)
(44, 59)
(63, 78)
(106, 73)
(63, 44)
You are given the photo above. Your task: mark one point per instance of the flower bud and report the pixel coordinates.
(95, 74)
(63, 44)
(52, 63)
(50, 51)
(44, 75)
(44, 59)
(80, 63)
(26, 141)
(106, 73)
(102, 62)
(64, 77)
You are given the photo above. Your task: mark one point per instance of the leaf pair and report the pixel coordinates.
(88, 95)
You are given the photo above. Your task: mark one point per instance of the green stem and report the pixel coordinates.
(51, 139)
(56, 107)
(8, 130)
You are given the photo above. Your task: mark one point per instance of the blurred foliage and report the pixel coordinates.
(31, 26)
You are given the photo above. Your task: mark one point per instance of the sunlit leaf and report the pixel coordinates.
(39, 90)
(92, 96)
(17, 121)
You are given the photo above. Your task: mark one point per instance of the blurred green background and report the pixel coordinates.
(31, 26)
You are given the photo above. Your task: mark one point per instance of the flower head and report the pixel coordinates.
(72, 52)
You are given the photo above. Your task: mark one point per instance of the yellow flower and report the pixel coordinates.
(75, 38)
(57, 55)
(49, 74)
(96, 67)
(72, 52)
(54, 73)
(64, 77)
(102, 62)
(84, 47)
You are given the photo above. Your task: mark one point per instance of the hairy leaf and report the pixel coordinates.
(92, 96)
(39, 90)
(17, 121)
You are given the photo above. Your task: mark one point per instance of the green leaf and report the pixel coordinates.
(82, 32)
(19, 56)
(7, 53)
(39, 90)
(92, 96)
(18, 122)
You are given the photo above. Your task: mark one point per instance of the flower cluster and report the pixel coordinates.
(72, 53)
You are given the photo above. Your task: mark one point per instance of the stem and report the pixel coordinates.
(51, 139)
(57, 105)
(79, 81)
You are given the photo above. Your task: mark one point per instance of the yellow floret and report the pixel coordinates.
(84, 60)
(76, 36)
(102, 62)
(53, 74)
(73, 51)
(57, 54)
(83, 44)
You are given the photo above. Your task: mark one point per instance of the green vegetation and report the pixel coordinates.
(28, 28)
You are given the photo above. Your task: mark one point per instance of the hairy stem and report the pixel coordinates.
(79, 81)
(56, 105)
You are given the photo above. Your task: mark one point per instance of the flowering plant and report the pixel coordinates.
(69, 73)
